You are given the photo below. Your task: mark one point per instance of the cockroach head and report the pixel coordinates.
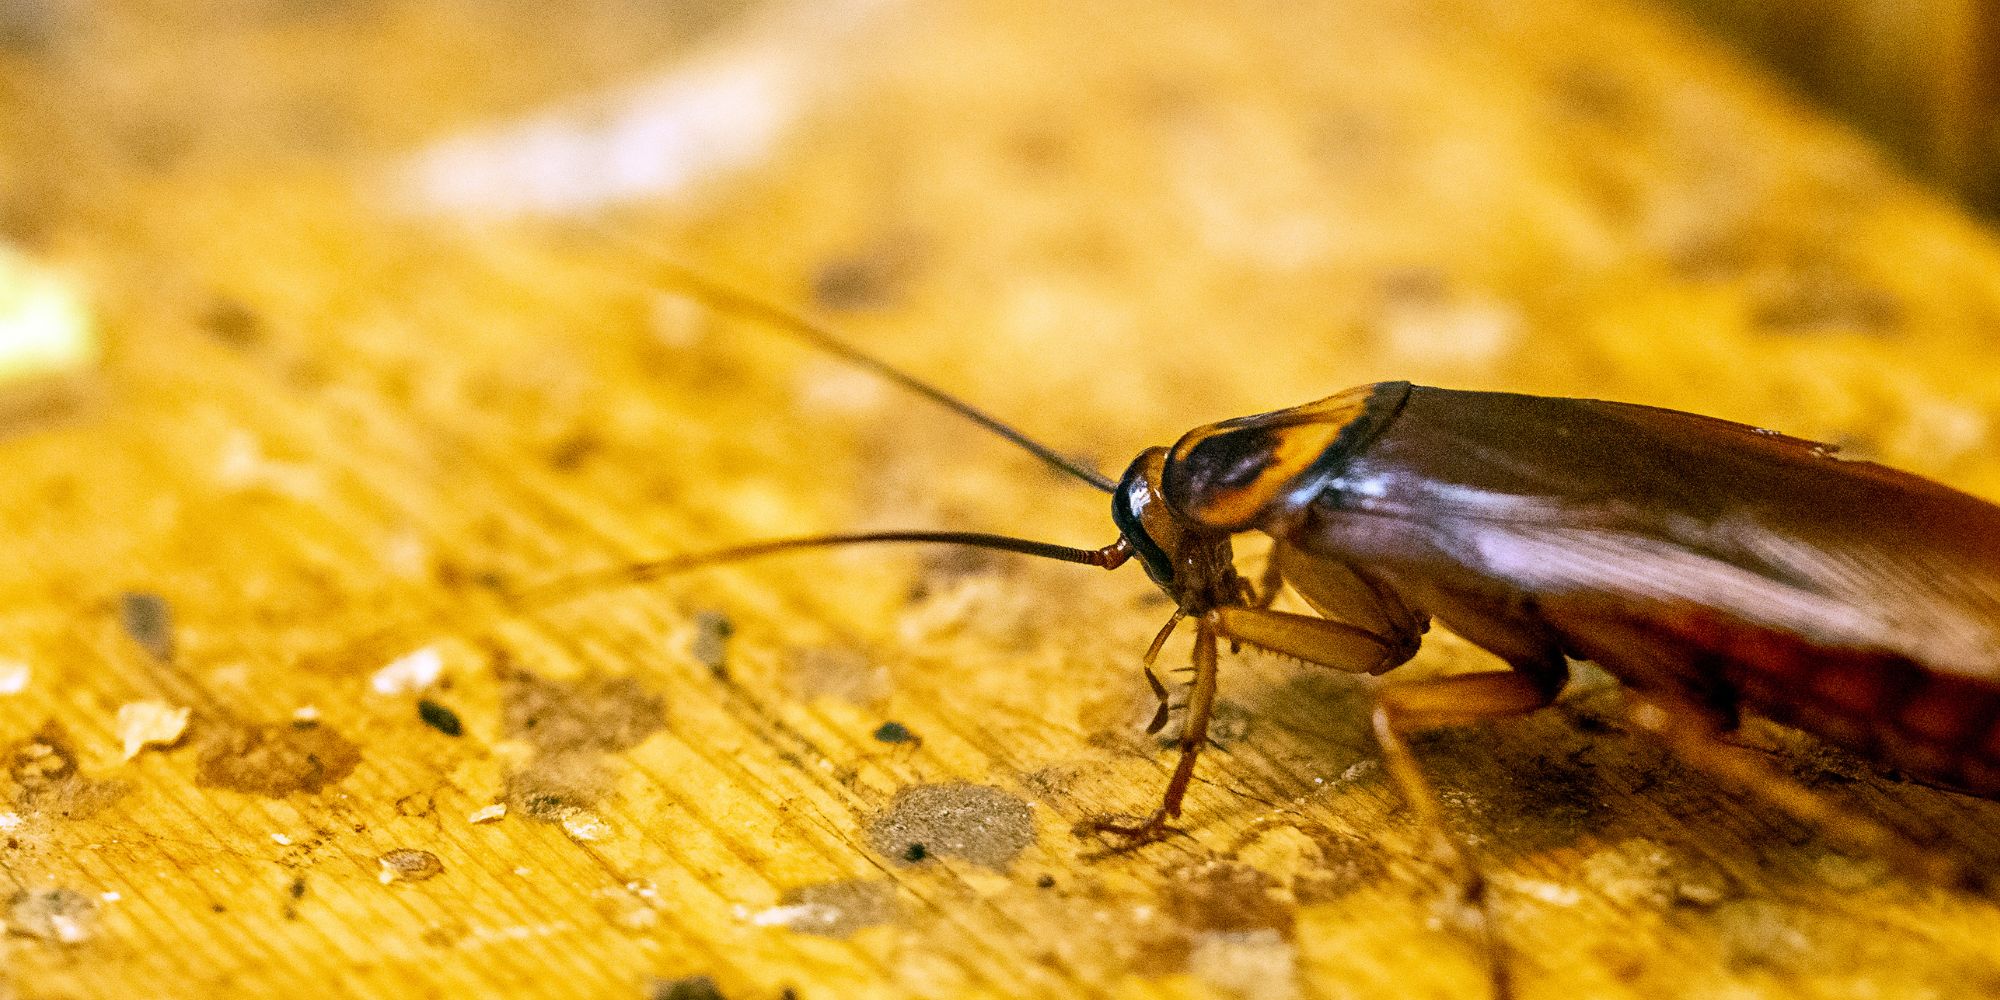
(1190, 562)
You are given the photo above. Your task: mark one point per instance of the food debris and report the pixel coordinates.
(150, 723)
(980, 823)
(554, 785)
(14, 676)
(1228, 896)
(590, 713)
(833, 909)
(413, 672)
(440, 718)
(149, 620)
(305, 715)
(47, 779)
(691, 988)
(488, 814)
(63, 916)
(281, 840)
(895, 732)
(710, 645)
(585, 826)
(408, 865)
(274, 760)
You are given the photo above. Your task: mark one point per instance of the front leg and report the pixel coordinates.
(1194, 735)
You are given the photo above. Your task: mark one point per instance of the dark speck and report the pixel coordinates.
(691, 988)
(440, 718)
(233, 323)
(297, 889)
(915, 853)
(149, 620)
(895, 732)
(1046, 882)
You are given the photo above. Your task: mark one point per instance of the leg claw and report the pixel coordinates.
(1129, 836)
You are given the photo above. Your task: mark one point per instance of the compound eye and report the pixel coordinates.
(1143, 520)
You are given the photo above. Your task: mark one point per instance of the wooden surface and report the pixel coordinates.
(345, 387)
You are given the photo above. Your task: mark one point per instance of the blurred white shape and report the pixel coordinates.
(721, 111)
(44, 327)
(414, 672)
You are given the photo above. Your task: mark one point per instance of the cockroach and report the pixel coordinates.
(1712, 567)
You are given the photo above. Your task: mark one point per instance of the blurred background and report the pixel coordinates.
(317, 315)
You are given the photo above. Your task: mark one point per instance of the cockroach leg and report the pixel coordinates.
(1699, 740)
(1269, 583)
(1337, 645)
(1194, 736)
(1453, 701)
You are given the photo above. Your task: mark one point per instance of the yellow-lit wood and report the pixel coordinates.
(326, 408)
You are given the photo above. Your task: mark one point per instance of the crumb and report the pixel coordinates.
(488, 814)
(407, 865)
(413, 672)
(150, 723)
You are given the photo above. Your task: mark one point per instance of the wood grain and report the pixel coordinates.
(333, 402)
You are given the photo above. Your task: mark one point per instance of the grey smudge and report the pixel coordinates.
(979, 823)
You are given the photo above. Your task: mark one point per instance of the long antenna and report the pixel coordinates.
(738, 302)
(559, 591)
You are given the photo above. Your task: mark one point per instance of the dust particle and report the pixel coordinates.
(275, 760)
(979, 823)
(149, 620)
(833, 909)
(63, 916)
(710, 645)
(691, 988)
(555, 785)
(440, 718)
(408, 865)
(895, 732)
(838, 672)
(591, 713)
(46, 779)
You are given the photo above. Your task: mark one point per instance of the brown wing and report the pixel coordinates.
(1589, 499)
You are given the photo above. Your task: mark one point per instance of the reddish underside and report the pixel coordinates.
(1938, 727)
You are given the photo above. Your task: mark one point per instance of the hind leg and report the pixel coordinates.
(1699, 739)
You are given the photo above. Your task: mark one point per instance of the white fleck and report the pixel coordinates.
(524, 871)
(9, 821)
(585, 826)
(109, 896)
(813, 914)
(1548, 892)
(150, 723)
(414, 672)
(306, 713)
(244, 466)
(281, 840)
(488, 814)
(14, 676)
